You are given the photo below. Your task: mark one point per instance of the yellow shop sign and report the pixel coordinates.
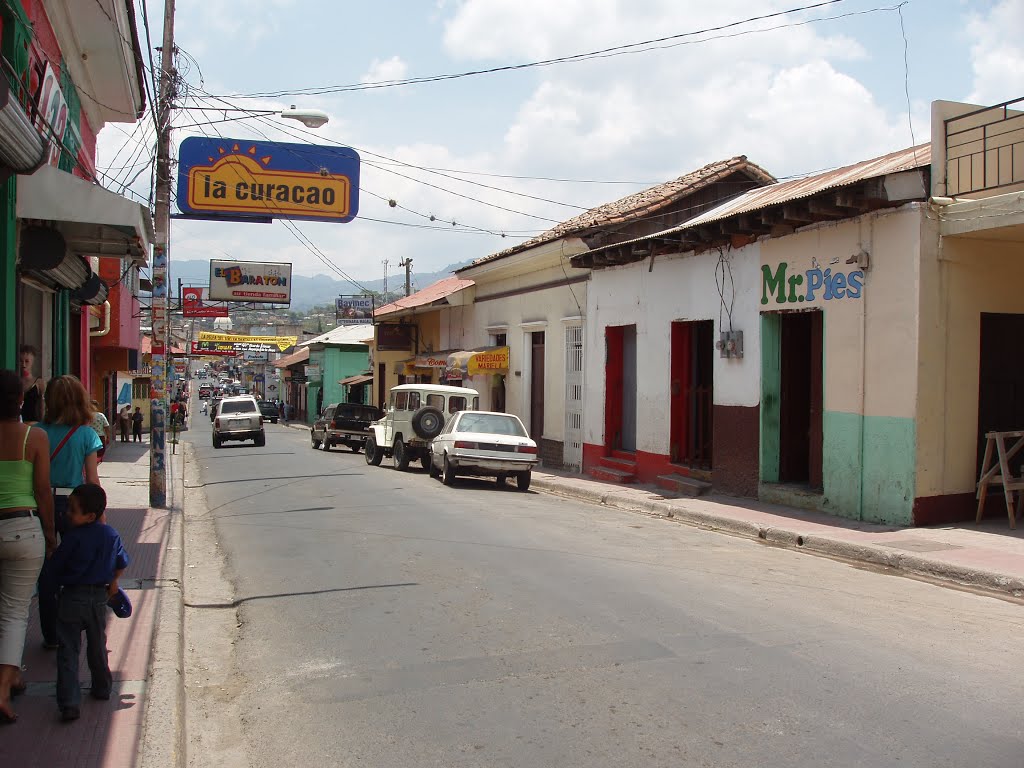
(237, 183)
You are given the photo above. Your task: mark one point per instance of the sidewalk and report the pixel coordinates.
(109, 732)
(989, 556)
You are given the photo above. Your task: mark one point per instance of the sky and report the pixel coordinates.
(509, 154)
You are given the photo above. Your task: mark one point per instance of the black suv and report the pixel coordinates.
(269, 410)
(344, 424)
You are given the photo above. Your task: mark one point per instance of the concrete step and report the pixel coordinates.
(629, 456)
(687, 486)
(610, 475)
(623, 465)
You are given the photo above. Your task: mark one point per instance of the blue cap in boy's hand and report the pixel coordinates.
(120, 604)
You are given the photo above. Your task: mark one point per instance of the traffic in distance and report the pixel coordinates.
(439, 426)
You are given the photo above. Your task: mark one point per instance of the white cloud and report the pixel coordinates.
(997, 53)
(383, 71)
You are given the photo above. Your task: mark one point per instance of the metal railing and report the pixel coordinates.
(985, 149)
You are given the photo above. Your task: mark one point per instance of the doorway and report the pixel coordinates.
(1000, 381)
(620, 388)
(800, 398)
(691, 393)
(537, 385)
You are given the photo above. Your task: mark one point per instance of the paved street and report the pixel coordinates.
(351, 615)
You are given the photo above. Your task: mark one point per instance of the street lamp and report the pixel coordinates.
(311, 118)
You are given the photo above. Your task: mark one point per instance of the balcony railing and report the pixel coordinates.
(985, 149)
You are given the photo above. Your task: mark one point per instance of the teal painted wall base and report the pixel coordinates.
(868, 467)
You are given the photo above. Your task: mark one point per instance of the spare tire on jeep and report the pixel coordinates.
(428, 422)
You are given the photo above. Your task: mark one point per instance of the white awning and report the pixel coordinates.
(93, 220)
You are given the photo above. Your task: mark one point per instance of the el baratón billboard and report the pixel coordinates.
(235, 178)
(265, 282)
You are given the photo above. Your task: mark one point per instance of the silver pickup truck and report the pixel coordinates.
(238, 418)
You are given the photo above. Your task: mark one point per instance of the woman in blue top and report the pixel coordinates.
(73, 460)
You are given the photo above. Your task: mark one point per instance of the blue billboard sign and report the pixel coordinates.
(234, 178)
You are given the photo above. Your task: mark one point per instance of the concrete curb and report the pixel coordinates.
(162, 743)
(787, 538)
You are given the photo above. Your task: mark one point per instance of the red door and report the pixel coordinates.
(680, 374)
(613, 373)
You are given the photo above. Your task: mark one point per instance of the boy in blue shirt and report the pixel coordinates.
(86, 567)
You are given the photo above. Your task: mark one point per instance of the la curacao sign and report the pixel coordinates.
(232, 179)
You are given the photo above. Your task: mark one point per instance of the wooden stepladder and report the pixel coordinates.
(995, 469)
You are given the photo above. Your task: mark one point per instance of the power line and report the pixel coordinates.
(617, 50)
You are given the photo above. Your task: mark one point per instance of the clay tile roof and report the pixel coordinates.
(639, 204)
(426, 297)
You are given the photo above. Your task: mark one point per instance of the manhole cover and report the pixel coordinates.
(921, 546)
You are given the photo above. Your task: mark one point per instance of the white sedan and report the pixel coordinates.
(484, 443)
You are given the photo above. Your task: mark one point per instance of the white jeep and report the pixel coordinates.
(415, 415)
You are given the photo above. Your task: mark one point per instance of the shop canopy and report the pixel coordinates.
(359, 378)
(93, 220)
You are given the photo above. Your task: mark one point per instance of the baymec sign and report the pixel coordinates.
(232, 178)
(812, 286)
(354, 310)
(269, 283)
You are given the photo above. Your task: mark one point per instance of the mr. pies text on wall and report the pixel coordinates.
(815, 284)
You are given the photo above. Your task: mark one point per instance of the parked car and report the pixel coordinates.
(269, 410)
(484, 444)
(415, 415)
(344, 424)
(238, 418)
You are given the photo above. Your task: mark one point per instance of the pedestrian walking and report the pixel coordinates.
(73, 448)
(137, 425)
(26, 531)
(85, 568)
(101, 426)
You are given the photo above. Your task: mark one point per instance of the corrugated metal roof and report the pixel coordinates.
(796, 189)
(646, 201)
(430, 294)
(344, 334)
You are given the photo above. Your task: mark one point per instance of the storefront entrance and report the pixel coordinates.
(792, 398)
(1001, 380)
(620, 388)
(691, 393)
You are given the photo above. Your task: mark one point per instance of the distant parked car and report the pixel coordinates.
(484, 443)
(269, 410)
(415, 415)
(344, 424)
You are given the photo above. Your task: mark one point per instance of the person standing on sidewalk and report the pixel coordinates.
(73, 448)
(124, 420)
(137, 425)
(26, 530)
(32, 385)
(86, 567)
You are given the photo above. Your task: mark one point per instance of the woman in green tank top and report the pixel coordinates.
(26, 530)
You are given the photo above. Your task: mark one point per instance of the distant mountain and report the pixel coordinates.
(309, 291)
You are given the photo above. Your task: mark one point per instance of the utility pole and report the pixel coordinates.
(162, 225)
(408, 267)
(385, 262)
